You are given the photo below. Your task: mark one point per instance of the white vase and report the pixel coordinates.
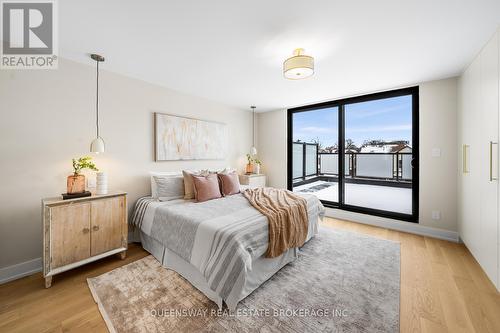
(257, 169)
(102, 183)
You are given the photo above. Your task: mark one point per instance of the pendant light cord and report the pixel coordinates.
(97, 100)
(253, 125)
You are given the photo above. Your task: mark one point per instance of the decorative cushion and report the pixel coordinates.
(169, 185)
(206, 187)
(227, 170)
(188, 182)
(229, 183)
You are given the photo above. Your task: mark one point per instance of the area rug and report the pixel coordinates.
(341, 282)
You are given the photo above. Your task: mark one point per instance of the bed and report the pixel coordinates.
(217, 245)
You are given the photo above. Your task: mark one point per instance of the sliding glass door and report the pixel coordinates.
(358, 154)
(313, 170)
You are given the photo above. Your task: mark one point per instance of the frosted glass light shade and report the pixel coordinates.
(97, 146)
(253, 151)
(299, 66)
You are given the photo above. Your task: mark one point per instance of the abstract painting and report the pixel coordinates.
(180, 138)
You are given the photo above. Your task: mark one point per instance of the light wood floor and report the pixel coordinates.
(443, 289)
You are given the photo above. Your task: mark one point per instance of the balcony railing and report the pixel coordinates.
(308, 162)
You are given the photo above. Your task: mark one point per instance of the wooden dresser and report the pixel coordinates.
(79, 231)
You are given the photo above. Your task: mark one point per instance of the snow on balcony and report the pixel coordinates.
(378, 180)
(394, 199)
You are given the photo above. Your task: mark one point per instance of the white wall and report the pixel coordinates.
(438, 129)
(271, 146)
(47, 117)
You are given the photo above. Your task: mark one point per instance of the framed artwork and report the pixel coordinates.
(181, 138)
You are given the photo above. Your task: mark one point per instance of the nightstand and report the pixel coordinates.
(253, 180)
(82, 230)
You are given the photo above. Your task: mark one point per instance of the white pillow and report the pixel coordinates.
(167, 185)
(227, 170)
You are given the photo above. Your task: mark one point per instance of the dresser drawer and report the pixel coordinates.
(253, 180)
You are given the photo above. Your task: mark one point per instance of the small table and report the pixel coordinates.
(81, 230)
(253, 180)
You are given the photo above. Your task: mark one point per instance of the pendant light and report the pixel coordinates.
(253, 150)
(97, 145)
(299, 66)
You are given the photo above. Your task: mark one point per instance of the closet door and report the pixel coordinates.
(471, 200)
(462, 101)
(488, 245)
(465, 184)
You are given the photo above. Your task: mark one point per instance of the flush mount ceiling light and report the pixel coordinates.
(299, 66)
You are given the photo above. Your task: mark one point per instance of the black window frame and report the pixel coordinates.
(340, 103)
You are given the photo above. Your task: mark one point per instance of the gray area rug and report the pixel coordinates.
(342, 282)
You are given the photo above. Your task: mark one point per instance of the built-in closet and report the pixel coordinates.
(478, 203)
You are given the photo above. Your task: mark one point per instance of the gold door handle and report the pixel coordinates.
(491, 161)
(86, 230)
(464, 159)
(95, 228)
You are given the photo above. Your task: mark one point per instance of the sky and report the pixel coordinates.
(384, 119)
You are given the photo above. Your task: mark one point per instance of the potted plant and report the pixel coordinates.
(76, 182)
(249, 167)
(258, 164)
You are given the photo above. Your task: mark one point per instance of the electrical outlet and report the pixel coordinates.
(436, 215)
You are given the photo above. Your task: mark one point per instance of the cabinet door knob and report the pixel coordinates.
(85, 230)
(95, 228)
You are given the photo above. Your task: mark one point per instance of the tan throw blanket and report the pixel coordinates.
(287, 215)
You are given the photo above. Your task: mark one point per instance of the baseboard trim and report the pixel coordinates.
(20, 270)
(413, 228)
(17, 271)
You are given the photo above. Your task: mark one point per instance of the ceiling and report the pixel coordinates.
(232, 51)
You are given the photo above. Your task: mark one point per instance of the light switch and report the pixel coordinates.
(436, 152)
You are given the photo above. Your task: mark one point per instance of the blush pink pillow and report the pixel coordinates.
(206, 187)
(229, 183)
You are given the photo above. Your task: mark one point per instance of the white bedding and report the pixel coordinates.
(216, 245)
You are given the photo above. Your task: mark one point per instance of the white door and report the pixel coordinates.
(498, 221)
(471, 179)
(466, 186)
(488, 245)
